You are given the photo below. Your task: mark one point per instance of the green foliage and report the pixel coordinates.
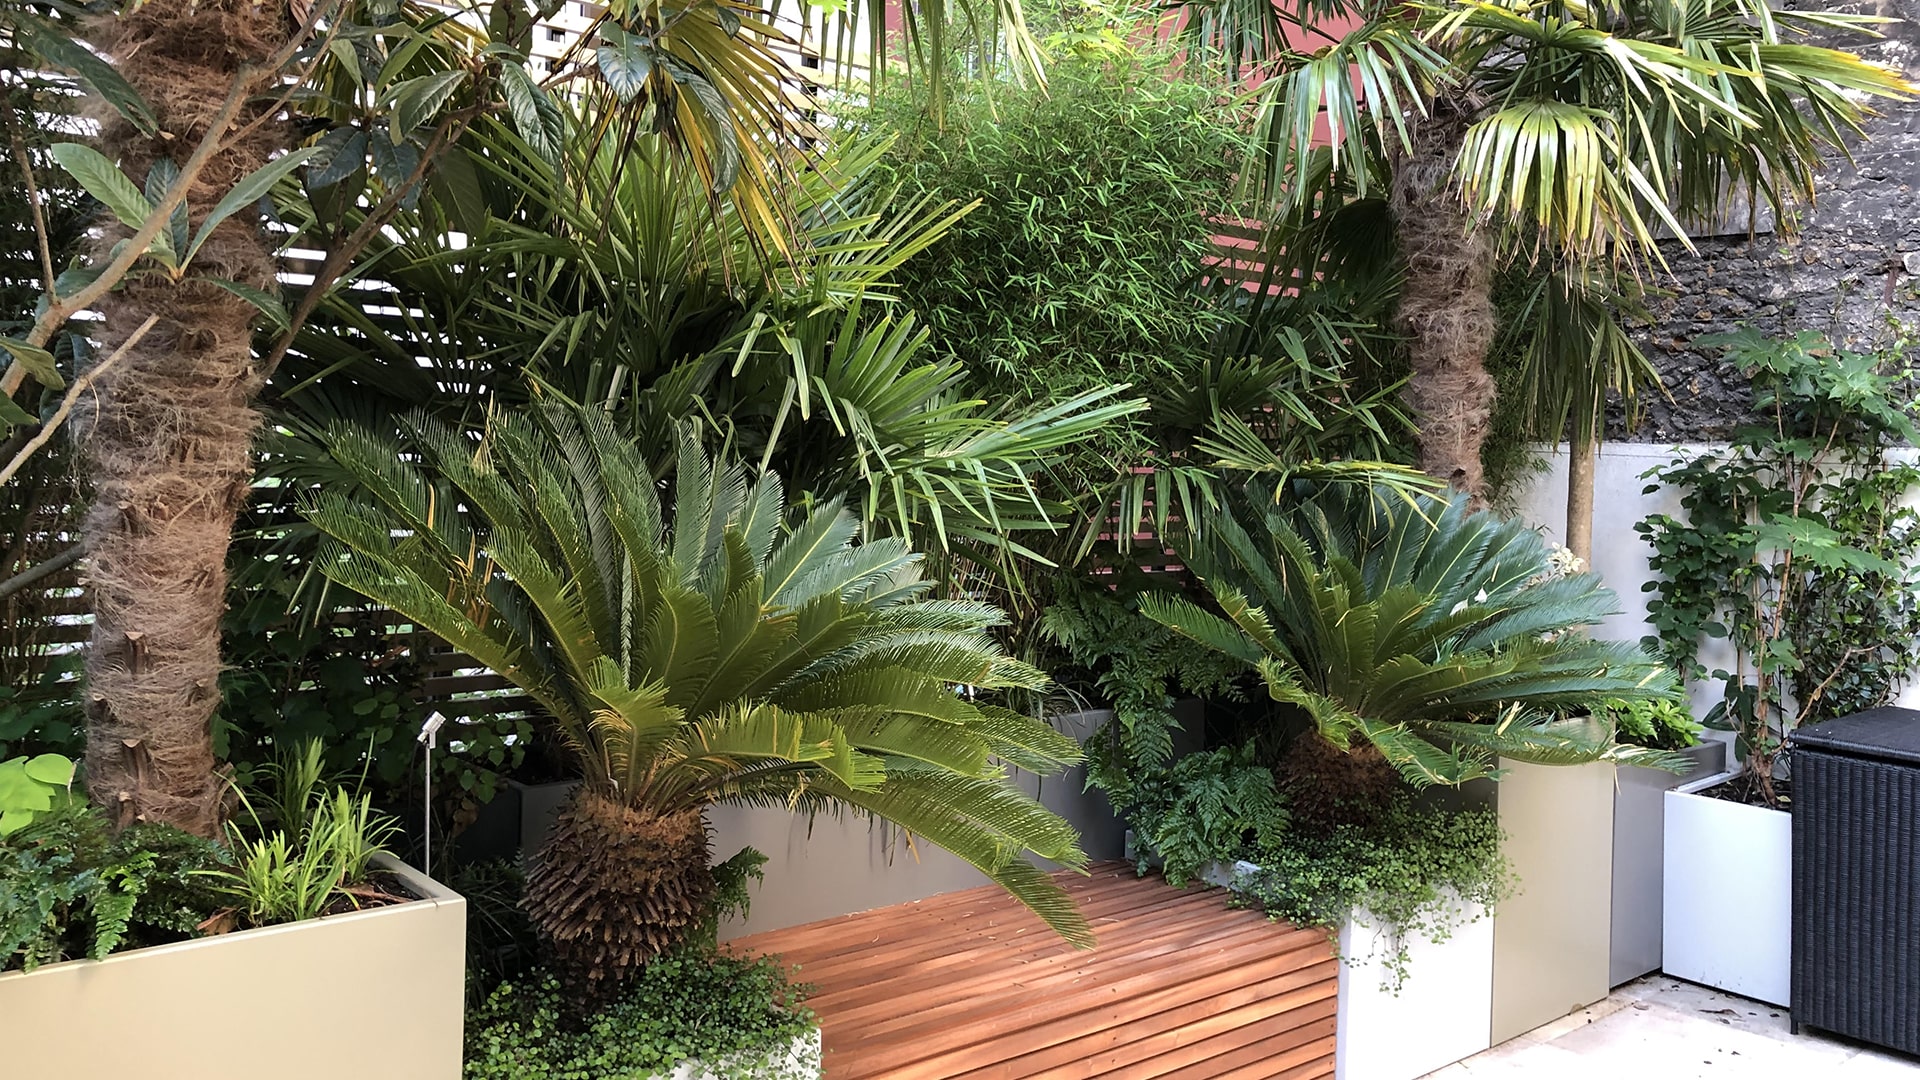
(1081, 266)
(1405, 875)
(31, 787)
(43, 715)
(309, 667)
(733, 880)
(307, 849)
(1436, 635)
(693, 1004)
(1795, 545)
(1207, 807)
(1123, 660)
(620, 287)
(501, 943)
(1658, 724)
(70, 888)
(716, 659)
(1087, 263)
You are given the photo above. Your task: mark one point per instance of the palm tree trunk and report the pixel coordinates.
(169, 435)
(1446, 306)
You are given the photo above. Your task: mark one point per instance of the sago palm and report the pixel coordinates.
(715, 658)
(1569, 133)
(1412, 633)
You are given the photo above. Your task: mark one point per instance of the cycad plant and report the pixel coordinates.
(716, 658)
(1415, 636)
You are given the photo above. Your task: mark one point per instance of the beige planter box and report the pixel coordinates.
(383, 988)
(1551, 938)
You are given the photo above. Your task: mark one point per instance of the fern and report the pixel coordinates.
(70, 889)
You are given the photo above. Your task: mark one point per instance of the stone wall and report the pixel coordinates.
(1853, 270)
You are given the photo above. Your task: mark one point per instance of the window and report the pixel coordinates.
(807, 60)
(554, 33)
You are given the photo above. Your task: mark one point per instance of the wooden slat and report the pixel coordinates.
(970, 985)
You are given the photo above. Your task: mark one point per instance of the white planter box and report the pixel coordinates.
(1442, 1012)
(1728, 896)
(795, 1059)
(383, 988)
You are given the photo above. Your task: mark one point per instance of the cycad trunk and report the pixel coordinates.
(615, 886)
(170, 429)
(1446, 305)
(1330, 786)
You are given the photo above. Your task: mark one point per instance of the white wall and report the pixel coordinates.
(1620, 556)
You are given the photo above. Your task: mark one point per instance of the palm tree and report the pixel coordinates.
(1569, 135)
(716, 659)
(1414, 635)
(201, 91)
(622, 287)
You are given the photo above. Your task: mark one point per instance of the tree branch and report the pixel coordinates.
(33, 198)
(59, 310)
(65, 410)
(42, 570)
(341, 255)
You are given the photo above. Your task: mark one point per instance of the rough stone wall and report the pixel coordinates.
(1852, 271)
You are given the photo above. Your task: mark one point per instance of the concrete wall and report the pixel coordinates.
(837, 866)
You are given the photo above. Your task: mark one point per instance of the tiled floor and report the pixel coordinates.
(1663, 1029)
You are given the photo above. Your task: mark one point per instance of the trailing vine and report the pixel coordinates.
(1794, 545)
(1418, 874)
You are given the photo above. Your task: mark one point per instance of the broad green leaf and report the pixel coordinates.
(64, 52)
(12, 415)
(535, 116)
(343, 152)
(268, 306)
(103, 180)
(418, 101)
(38, 362)
(247, 192)
(625, 61)
(51, 769)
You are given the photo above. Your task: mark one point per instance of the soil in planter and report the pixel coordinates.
(381, 889)
(1746, 789)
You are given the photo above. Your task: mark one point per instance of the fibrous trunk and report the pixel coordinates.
(615, 886)
(1446, 305)
(169, 431)
(1329, 786)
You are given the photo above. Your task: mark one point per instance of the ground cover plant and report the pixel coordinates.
(692, 1004)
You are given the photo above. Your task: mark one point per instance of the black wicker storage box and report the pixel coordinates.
(1856, 877)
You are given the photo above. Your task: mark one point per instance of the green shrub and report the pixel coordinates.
(1404, 872)
(69, 888)
(1209, 807)
(689, 1005)
(307, 853)
(1661, 725)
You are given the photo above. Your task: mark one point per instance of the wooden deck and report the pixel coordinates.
(971, 985)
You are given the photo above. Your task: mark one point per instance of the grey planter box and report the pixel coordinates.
(1639, 845)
